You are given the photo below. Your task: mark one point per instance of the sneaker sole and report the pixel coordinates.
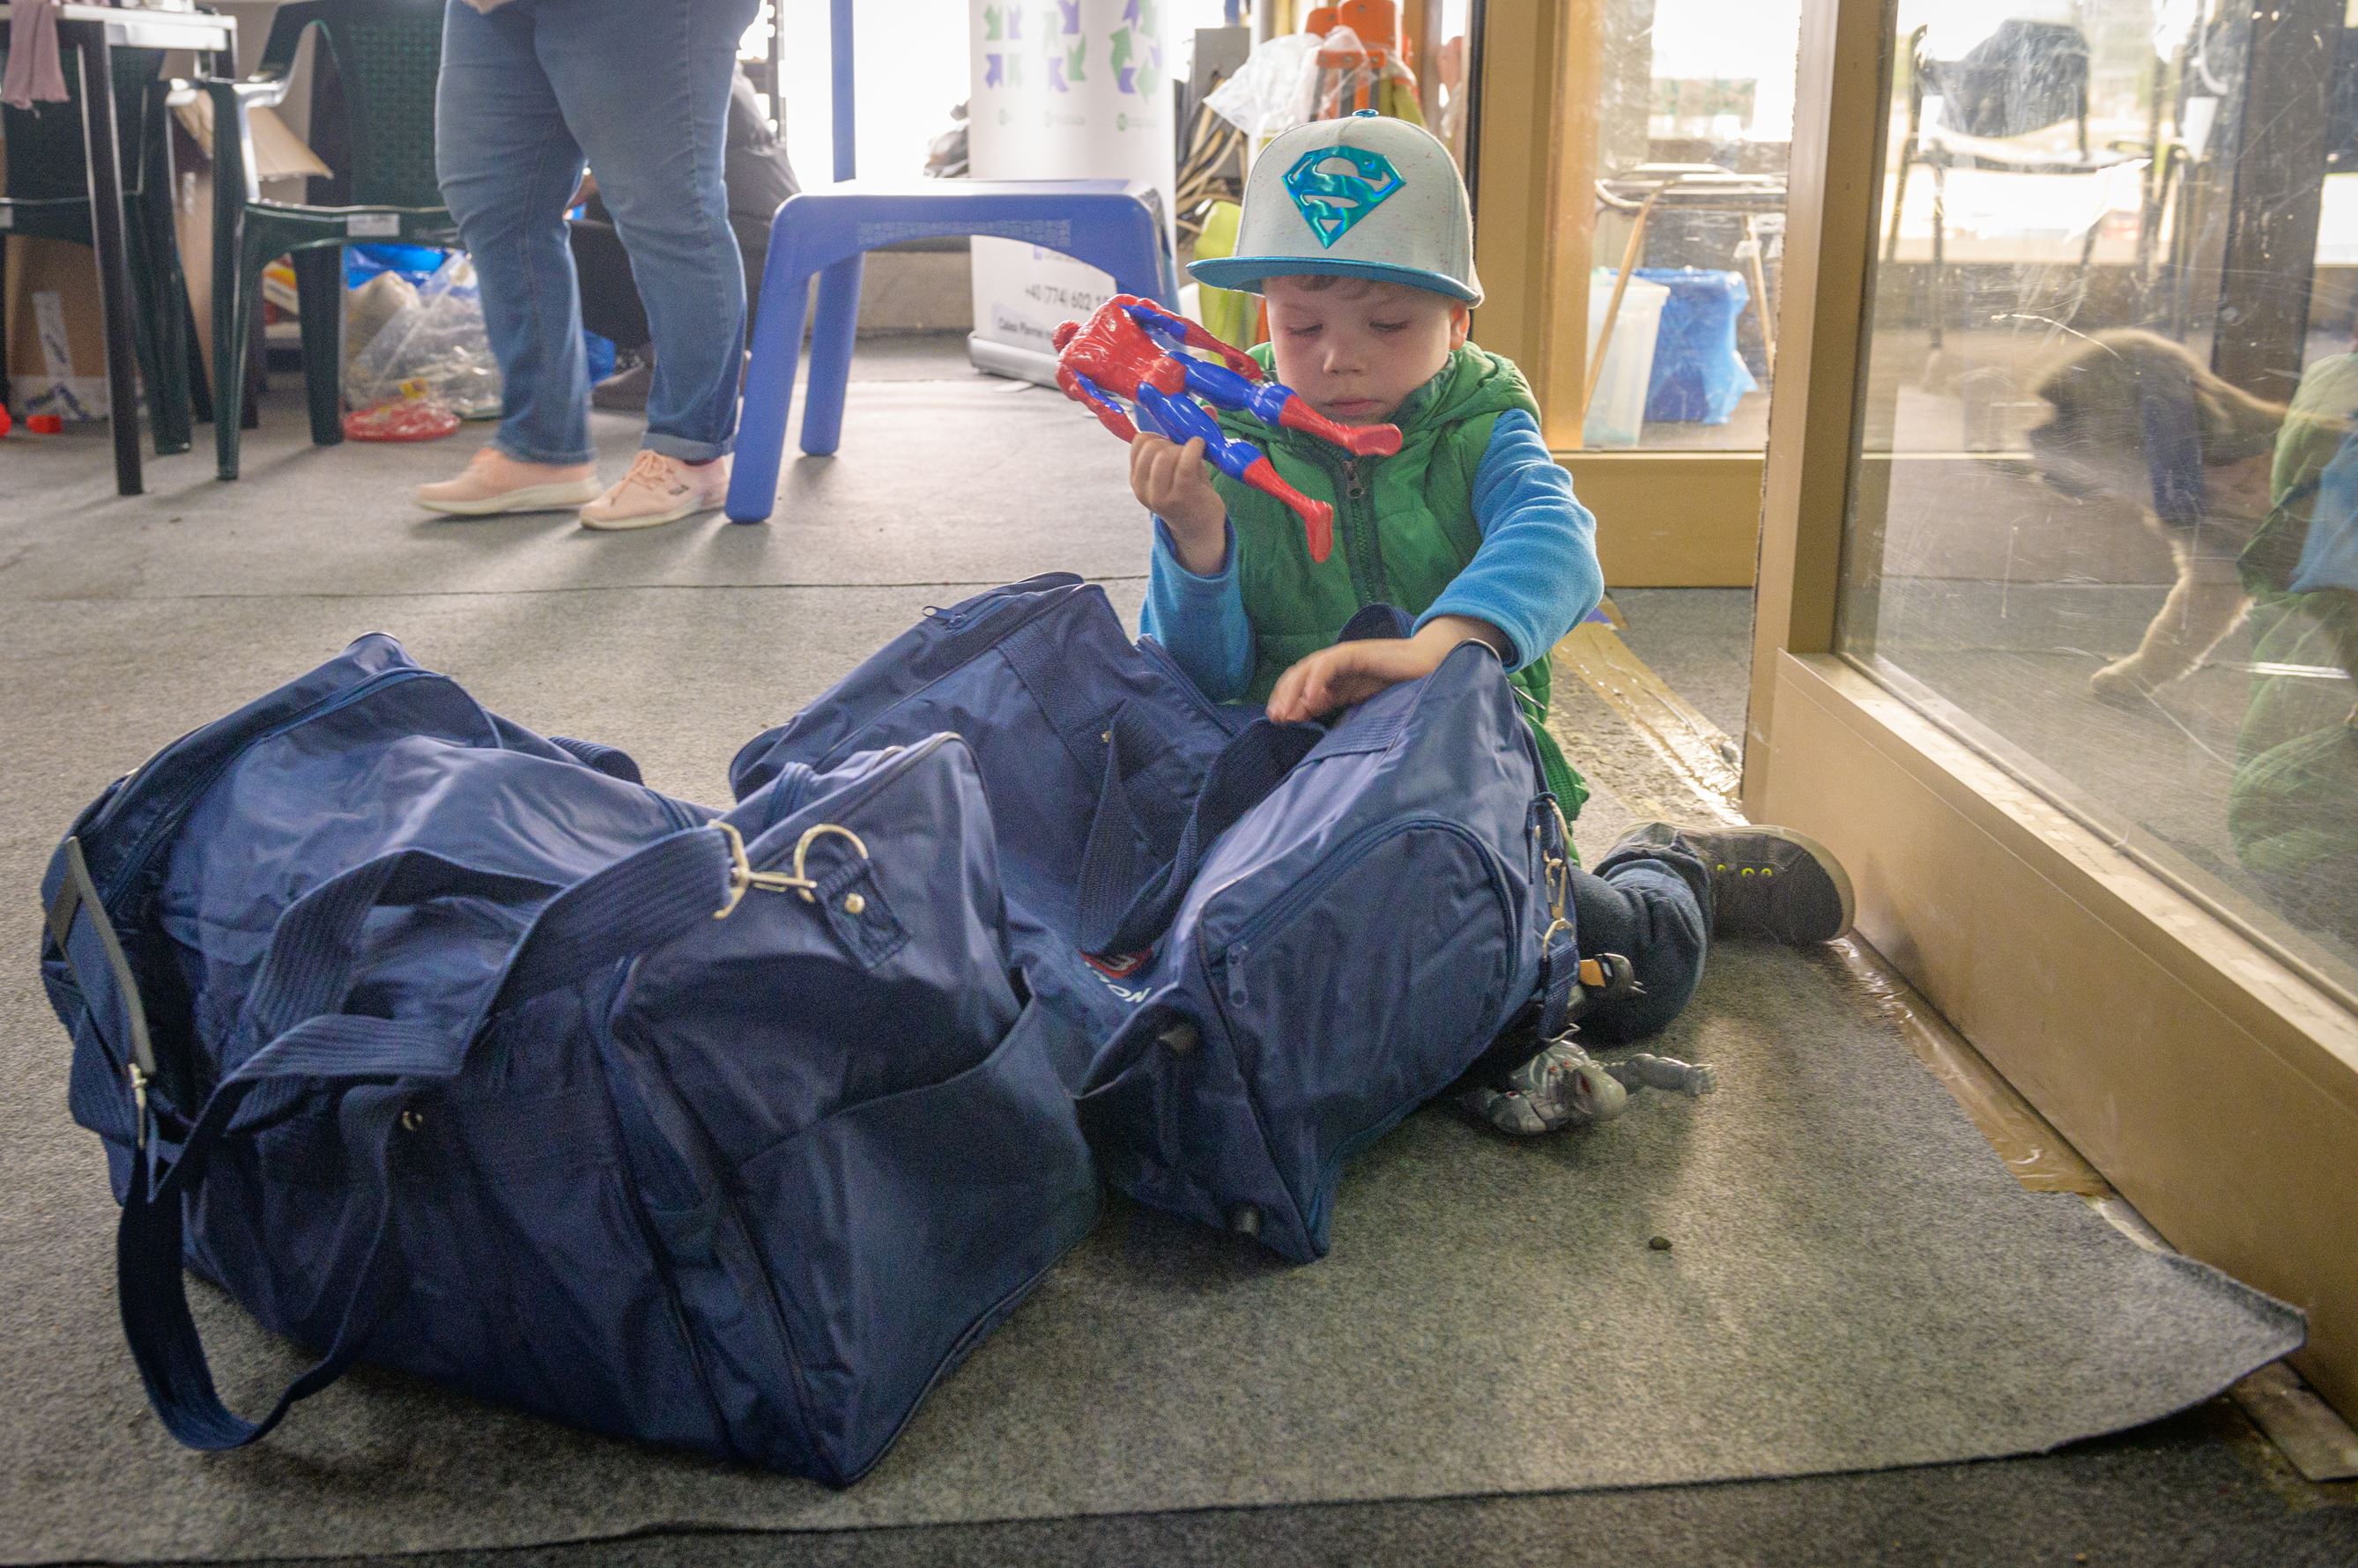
(531, 497)
(1827, 863)
(650, 519)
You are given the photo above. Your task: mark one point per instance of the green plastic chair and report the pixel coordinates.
(48, 197)
(388, 54)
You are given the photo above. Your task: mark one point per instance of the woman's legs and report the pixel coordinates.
(508, 163)
(644, 85)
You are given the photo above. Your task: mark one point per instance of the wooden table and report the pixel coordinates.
(92, 32)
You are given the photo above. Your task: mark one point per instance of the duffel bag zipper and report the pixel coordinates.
(1159, 655)
(951, 618)
(168, 820)
(1275, 913)
(657, 1253)
(854, 742)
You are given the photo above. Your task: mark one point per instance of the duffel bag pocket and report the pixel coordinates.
(1363, 989)
(587, 1327)
(900, 1229)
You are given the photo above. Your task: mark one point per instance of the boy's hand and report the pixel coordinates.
(1351, 673)
(1169, 481)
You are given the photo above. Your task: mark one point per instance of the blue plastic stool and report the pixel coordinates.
(1112, 224)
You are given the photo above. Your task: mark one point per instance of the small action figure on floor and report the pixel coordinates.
(1132, 347)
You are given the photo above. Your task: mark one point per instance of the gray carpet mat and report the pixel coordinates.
(2201, 1488)
(1853, 1281)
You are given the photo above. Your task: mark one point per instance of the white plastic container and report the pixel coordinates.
(1617, 413)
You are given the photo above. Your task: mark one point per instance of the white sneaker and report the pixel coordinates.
(493, 482)
(659, 489)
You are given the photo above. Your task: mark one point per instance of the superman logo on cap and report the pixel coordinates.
(1334, 187)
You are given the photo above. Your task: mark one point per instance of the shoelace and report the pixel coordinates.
(651, 470)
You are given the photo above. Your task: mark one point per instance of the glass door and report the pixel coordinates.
(2103, 518)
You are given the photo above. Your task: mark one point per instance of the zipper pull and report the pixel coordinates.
(1234, 960)
(1352, 489)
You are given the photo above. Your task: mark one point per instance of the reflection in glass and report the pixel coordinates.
(2106, 517)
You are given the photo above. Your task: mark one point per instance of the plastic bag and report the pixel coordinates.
(1296, 78)
(367, 309)
(433, 349)
(1270, 93)
(415, 264)
(403, 419)
(1698, 377)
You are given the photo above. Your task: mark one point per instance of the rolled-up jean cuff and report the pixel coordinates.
(553, 460)
(686, 450)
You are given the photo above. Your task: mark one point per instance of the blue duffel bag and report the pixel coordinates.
(1278, 939)
(445, 1047)
(1070, 723)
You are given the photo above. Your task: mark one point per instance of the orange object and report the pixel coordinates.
(46, 424)
(1375, 24)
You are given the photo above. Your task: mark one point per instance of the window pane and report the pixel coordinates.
(2106, 518)
(1694, 134)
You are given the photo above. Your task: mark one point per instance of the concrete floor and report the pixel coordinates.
(183, 602)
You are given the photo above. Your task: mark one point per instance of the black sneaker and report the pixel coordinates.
(1769, 883)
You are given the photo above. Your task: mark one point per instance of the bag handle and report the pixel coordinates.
(378, 1064)
(1123, 910)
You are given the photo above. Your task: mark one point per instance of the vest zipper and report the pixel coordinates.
(1368, 579)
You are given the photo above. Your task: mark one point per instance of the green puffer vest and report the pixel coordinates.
(1403, 529)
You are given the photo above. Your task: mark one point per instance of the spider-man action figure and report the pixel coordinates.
(1132, 347)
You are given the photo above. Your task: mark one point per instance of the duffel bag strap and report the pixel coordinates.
(641, 901)
(1560, 966)
(151, 1292)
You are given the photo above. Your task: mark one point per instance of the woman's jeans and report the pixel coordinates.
(640, 88)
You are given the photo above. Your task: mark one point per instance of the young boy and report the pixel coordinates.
(1358, 235)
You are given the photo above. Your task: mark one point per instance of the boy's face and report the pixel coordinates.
(1357, 348)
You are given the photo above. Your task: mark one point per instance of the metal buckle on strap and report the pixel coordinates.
(742, 876)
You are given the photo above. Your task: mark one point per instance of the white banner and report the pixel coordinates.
(1064, 90)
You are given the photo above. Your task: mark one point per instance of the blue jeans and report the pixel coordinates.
(641, 88)
(1652, 905)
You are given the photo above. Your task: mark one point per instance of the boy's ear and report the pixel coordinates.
(1461, 320)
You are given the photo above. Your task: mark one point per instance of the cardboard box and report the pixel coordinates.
(279, 154)
(57, 330)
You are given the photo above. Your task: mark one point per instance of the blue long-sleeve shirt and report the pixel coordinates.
(1535, 576)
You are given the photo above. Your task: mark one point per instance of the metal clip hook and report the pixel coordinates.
(743, 877)
(1558, 867)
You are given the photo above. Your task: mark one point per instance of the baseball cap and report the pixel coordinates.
(1367, 196)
